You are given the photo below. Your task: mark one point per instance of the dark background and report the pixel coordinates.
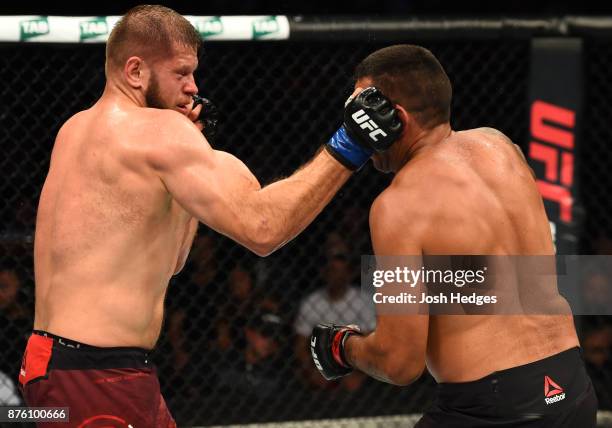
(321, 7)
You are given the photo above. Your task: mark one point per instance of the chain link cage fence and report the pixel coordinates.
(595, 158)
(233, 346)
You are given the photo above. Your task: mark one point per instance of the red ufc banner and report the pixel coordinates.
(555, 98)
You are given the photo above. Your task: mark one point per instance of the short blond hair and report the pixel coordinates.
(149, 31)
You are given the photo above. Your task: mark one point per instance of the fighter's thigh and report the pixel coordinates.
(114, 397)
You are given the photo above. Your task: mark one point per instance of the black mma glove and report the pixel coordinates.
(371, 124)
(327, 349)
(209, 117)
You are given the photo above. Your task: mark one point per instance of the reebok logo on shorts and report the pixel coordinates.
(552, 392)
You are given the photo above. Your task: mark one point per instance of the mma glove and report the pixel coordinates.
(371, 124)
(327, 349)
(209, 117)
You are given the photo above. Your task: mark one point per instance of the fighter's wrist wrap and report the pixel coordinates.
(338, 346)
(327, 348)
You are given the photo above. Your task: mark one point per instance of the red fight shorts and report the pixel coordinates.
(102, 387)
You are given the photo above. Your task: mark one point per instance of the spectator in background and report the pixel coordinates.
(256, 377)
(15, 325)
(15, 322)
(339, 302)
(191, 311)
(8, 392)
(25, 215)
(240, 300)
(235, 310)
(353, 222)
(603, 244)
(596, 288)
(250, 372)
(257, 369)
(208, 318)
(597, 352)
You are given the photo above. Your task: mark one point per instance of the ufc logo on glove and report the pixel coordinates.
(364, 121)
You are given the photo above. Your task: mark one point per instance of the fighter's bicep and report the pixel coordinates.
(212, 187)
(207, 183)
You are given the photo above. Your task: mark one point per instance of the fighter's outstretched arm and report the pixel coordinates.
(220, 191)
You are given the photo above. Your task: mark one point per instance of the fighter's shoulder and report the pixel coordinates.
(70, 132)
(170, 137)
(398, 221)
(73, 121)
(419, 191)
(164, 122)
(419, 176)
(491, 132)
(501, 138)
(400, 200)
(166, 129)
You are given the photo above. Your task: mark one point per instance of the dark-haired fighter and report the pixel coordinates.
(463, 193)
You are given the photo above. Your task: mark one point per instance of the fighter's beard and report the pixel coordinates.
(152, 96)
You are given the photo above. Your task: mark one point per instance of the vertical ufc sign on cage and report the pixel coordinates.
(555, 97)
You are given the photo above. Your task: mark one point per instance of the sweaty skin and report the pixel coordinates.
(126, 188)
(461, 193)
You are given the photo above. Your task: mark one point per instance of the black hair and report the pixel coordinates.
(412, 77)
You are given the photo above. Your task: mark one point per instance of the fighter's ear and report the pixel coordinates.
(405, 117)
(135, 72)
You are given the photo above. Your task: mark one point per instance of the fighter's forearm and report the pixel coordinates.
(365, 353)
(284, 208)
